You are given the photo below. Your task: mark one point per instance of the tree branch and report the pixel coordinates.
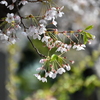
(36, 48)
(36, 1)
(28, 36)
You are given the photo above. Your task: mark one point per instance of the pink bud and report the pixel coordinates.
(79, 30)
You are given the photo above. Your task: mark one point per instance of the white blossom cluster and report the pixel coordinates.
(11, 6)
(52, 70)
(33, 31)
(40, 31)
(9, 36)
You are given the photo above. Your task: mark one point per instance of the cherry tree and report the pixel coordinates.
(40, 29)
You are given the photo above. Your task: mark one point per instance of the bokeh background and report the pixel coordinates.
(18, 62)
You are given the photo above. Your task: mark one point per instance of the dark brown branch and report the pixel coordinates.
(36, 48)
(35, 1)
(28, 36)
(20, 15)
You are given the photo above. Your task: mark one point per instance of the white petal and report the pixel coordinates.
(61, 70)
(43, 79)
(4, 2)
(54, 75)
(68, 67)
(38, 76)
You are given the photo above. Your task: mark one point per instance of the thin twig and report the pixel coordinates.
(33, 1)
(35, 48)
(20, 16)
(36, 1)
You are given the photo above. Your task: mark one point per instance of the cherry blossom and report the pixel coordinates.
(11, 7)
(54, 22)
(4, 2)
(72, 61)
(17, 19)
(31, 30)
(36, 36)
(13, 1)
(43, 60)
(42, 21)
(61, 71)
(3, 37)
(38, 76)
(59, 13)
(10, 17)
(58, 43)
(23, 2)
(43, 79)
(67, 66)
(50, 74)
(41, 29)
(62, 48)
(45, 39)
(53, 13)
(54, 75)
(79, 47)
(50, 14)
(50, 44)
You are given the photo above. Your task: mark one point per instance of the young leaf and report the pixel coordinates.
(89, 27)
(85, 38)
(54, 57)
(60, 60)
(89, 35)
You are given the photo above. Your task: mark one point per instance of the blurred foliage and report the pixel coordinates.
(12, 79)
(78, 79)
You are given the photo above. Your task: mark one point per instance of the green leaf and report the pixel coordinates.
(85, 38)
(89, 35)
(89, 27)
(90, 80)
(60, 61)
(54, 57)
